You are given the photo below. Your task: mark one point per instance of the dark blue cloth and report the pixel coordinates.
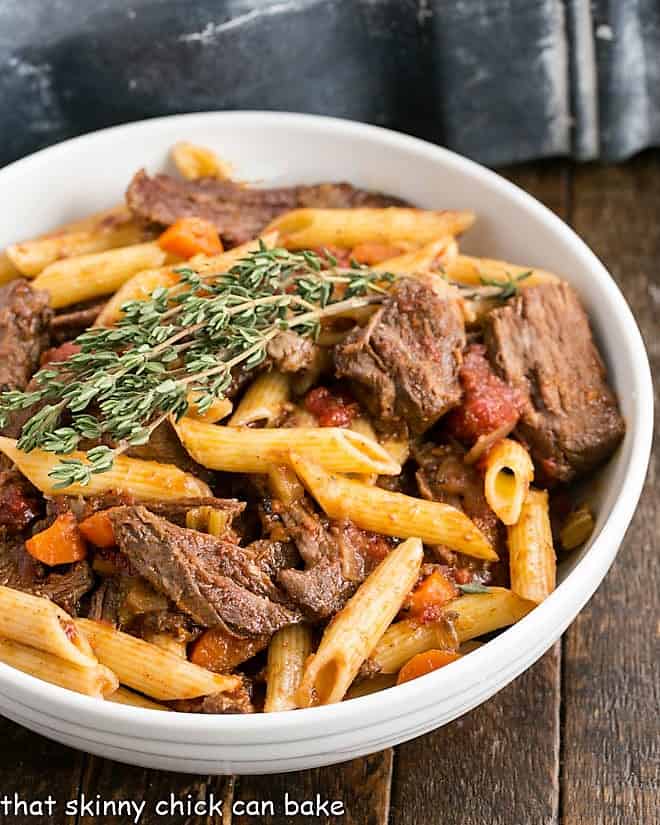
(498, 80)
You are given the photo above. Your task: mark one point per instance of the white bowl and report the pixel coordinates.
(91, 173)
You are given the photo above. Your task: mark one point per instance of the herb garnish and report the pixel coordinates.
(507, 288)
(473, 587)
(128, 379)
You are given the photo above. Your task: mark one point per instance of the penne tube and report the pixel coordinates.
(194, 162)
(392, 514)
(7, 269)
(364, 427)
(40, 623)
(577, 528)
(472, 615)
(398, 447)
(374, 684)
(142, 479)
(440, 252)
(140, 286)
(509, 472)
(123, 696)
(247, 450)
(465, 269)
(287, 653)
(93, 680)
(532, 562)
(91, 276)
(167, 642)
(107, 230)
(285, 485)
(264, 400)
(149, 669)
(355, 631)
(220, 408)
(311, 228)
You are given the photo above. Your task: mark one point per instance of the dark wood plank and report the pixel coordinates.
(167, 797)
(32, 769)
(611, 734)
(362, 787)
(500, 763)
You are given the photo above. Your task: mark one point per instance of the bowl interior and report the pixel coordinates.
(92, 172)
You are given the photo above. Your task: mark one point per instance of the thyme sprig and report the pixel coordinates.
(189, 338)
(494, 288)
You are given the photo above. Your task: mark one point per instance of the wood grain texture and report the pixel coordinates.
(363, 786)
(611, 736)
(33, 768)
(500, 763)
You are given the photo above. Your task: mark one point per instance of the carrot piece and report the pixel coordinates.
(97, 528)
(434, 592)
(424, 663)
(374, 252)
(60, 543)
(191, 236)
(218, 650)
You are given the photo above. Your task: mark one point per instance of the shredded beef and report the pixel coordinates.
(194, 570)
(444, 476)
(541, 344)
(19, 501)
(405, 361)
(338, 557)
(238, 212)
(236, 701)
(74, 320)
(64, 585)
(24, 320)
(290, 352)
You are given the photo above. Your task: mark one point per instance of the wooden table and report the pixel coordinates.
(574, 740)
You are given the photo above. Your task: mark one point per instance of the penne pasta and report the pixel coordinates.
(247, 450)
(93, 680)
(364, 427)
(167, 642)
(149, 669)
(91, 276)
(532, 562)
(392, 514)
(311, 228)
(465, 269)
(220, 408)
(142, 479)
(98, 233)
(264, 401)
(577, 528)
(472, 615)
(285, 485)
(287, 653)
(40, 623)
(355, 631)
(7, 269)
(509, 472)
(374, 684)
(438, 253)
(194, 162)
(140, 286)
(123, 696)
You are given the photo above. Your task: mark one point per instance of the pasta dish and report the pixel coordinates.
(265, 449)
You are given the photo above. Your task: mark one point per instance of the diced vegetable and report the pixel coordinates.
(424, 663)
(434, 592)
(61, 543)
(98, 529)
(191, 236)
(220, 651)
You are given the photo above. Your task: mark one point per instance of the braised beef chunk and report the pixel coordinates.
(64, 585)
(19, 501)
(24, 320)
(405, 361)
(74, 320)
(105, 602)
(165, 447)
(338, 558)
(235, 701)
(541, 343)
(239, 213)
(443, 475)
(290, 352)
(193, 570)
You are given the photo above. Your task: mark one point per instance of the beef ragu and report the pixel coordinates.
(392, 412)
